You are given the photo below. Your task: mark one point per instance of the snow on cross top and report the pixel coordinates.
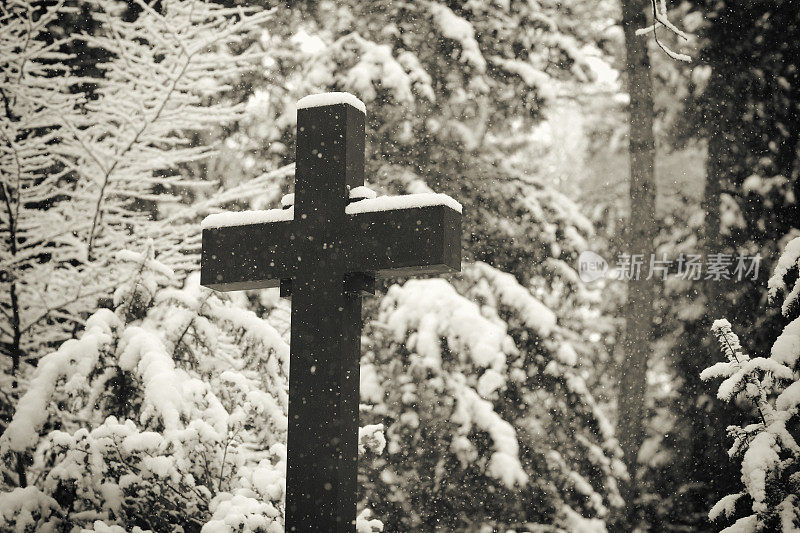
(323, 99)
(381, 203)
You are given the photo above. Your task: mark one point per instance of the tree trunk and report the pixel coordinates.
(638, 238)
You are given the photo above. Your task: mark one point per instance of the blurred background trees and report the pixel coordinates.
(491, 397)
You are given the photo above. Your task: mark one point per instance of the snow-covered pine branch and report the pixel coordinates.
(768, 449)
(487, 378)
(175, 401)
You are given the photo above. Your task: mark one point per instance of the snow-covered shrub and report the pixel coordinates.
(156, 421)
(174, 417)
(488, 418)
(770, 387)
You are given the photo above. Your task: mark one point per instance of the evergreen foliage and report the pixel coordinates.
(739, 101)
(766, 447)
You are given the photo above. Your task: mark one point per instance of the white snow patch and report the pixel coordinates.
(576, 523)
(258, 105)
(406, 201)
(325, 99)
(366, 524)
(489, 382)
(269, 480)
(368, 205)
(530, 75)
(464, 450)
(743, 525)
(370, 387)
(789, 398)
(363, 192)
(240, 512)
(377, 67)
(371, 438)
(430, 310)
(759, 460)
(146, 441)
(504, 463)
(567, 355)
(307, 43)
(243, 218)
(535, 314)
(725, 507)
(786, 349)
(23, 503)
(458, 29)
(789, 258)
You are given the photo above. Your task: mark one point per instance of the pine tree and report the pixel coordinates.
(489, 422)
(740, 96)
(770, 387)
(438, 78)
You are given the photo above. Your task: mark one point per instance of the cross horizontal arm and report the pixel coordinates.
(251, 256)
(400, 242)
(396, 242)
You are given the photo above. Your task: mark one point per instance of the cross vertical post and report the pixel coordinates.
(326, 326)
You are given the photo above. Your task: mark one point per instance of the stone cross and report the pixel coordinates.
(324, 252)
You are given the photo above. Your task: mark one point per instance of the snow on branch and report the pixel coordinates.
(768, 450)
(789, 261)
(104, 160)
(163, 68)
(534, 313)
(460, 30)
(76, 357)
(660, 20)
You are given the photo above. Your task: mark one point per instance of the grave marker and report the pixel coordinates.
(325, 251)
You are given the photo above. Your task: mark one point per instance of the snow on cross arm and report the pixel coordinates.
(381, 203)
(323, 99)
(243, 218)
(406, 201)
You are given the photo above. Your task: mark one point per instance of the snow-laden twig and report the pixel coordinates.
(660, 20)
